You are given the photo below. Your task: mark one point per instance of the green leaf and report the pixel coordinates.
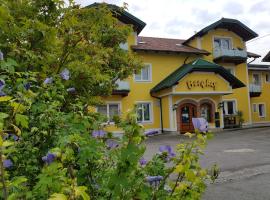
(57, 196)
(22, 120)
(3, 115)
(5, 98)
(80, 191)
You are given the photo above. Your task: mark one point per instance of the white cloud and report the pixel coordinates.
(181, 18)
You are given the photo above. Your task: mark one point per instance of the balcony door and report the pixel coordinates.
(222, 43)
(256, 79)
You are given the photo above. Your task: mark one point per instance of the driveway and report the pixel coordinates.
(243, 157)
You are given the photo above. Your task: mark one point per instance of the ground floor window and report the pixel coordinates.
(144, 112)
(110, 110)
(261, 108)
(229, 107)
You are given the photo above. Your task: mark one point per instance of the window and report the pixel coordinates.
(267, 77)
(144, 74)
(254, 107)
(222, 43)
(229, 107)
(144, 112)
(110, 110)
(261, 110)
(256, 79)
(124, 46)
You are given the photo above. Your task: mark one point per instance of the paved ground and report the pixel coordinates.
(243, 157)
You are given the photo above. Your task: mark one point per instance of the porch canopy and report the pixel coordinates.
(198, 77)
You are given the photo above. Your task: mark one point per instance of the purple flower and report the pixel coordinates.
(27, 86)
(112, 144)
(65, 74)
(49, 158)
(48, 80)
(2, 85)
(200, 123)
(7, 163)
(151, 132)
(154, 180)
(143, 161)
(167, 150)
(72, 90)
(2, 94)
(98, 133)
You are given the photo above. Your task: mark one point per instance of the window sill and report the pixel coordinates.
(146, 122)
(143, 81)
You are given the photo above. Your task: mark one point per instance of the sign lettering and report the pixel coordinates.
(201, 83)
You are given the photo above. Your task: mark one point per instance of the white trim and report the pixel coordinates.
(258, 69)
(151, 121)
(171, 111)
(264, 106)
(199, 43)
(192, 93)
(261, 122)
(150, 74)
(136, 37)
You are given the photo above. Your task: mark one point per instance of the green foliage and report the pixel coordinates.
(48, 146)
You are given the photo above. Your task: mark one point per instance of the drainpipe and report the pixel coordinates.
(161, 113)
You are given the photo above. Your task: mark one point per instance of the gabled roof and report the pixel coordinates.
(197, 65)
(124, 16)
(165, 45)
(232, 25)
(267, 57)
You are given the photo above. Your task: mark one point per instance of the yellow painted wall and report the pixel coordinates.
(164, 64)
(215, 83)
(241, 95)
(263, 98)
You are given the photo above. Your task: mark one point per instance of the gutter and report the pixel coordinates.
(161, 113)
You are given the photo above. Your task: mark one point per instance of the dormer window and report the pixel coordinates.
(222, 43)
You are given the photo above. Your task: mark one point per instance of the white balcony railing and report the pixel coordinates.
(220, 52)
(123, 85)
(255, 87)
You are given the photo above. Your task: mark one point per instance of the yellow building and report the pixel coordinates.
(206, 75)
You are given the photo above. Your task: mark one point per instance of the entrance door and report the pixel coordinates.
(187, 112)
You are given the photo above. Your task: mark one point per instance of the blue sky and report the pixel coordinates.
(181, 18)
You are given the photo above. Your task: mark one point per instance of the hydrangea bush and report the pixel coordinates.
(53, 69)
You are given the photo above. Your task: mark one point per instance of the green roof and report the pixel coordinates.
(197, 65)
(123, 16)
(230, 24)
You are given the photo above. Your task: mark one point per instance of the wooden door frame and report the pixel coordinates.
(178, 111)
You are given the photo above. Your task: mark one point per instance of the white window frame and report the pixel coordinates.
(150, 110)
(264, 110)
(254, 108)
(149, 65)
(260, 78)
(107, 104)
(222, 37)
(226, 106)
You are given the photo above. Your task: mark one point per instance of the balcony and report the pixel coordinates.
(236, 56)
(255, 89)
(123, 88)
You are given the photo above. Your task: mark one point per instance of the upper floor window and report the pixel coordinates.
(261, 108)
(144, 74)
(124, 46)
(256, 79)
(110, 110)
(222, 43)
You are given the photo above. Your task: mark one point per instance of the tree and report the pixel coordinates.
(58, 60)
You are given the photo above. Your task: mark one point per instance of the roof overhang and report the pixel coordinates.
(123, 16)
(230, 24)
(267, 57)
